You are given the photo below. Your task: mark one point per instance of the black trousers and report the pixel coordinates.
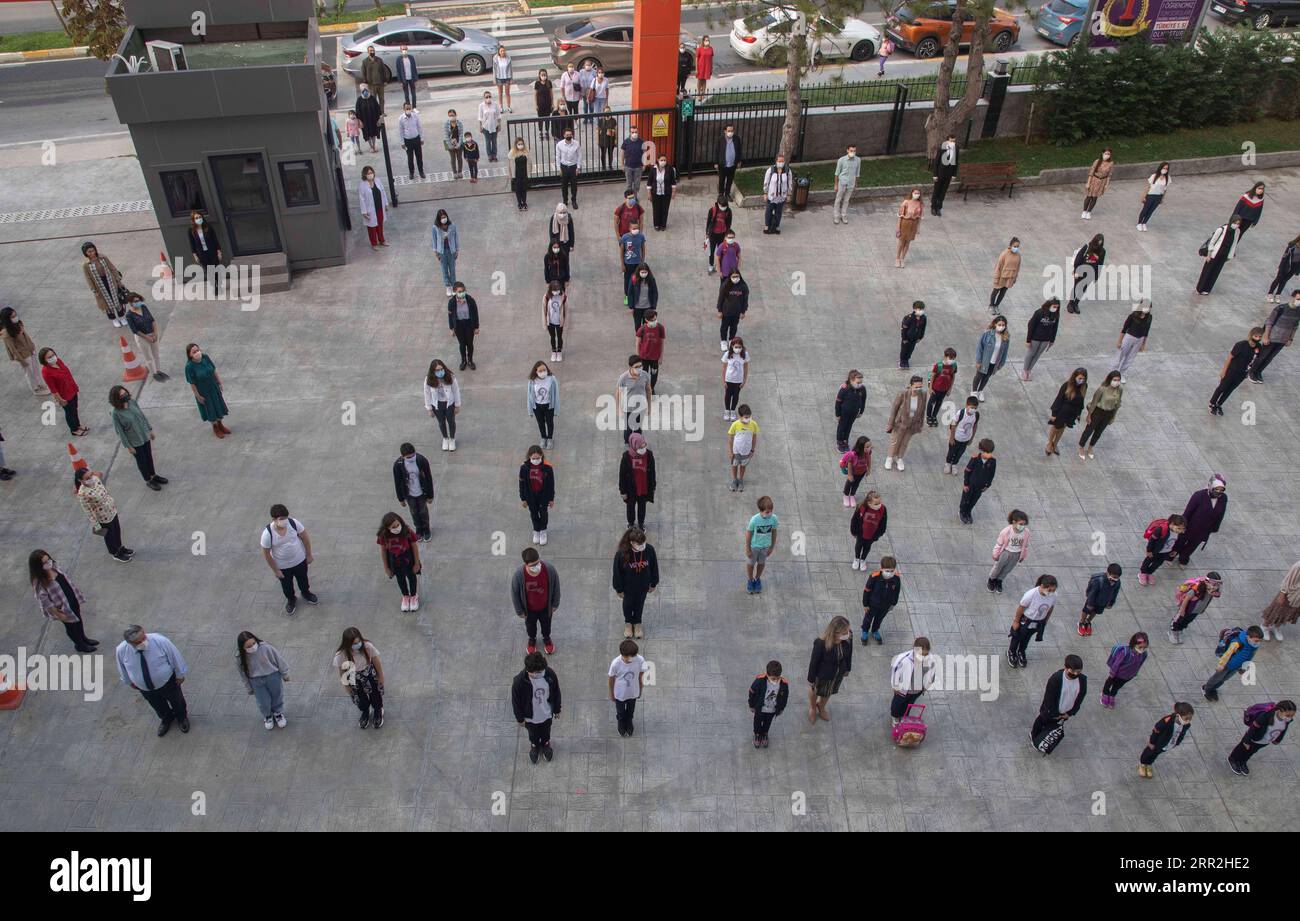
(408, 92)
(113, 535)
(624, 710)
(969, 498)
(898, 706)
(862, 547)
(1245, 748)
(933, 405)
(539, 734)
(1152, 563)
(419, 509)
(872, 618)
(445, 413)
(844, 427)
(1266, 354)
(537, 512)
(414, 156)
(167, 701)
(144, 460)
(1113, 684)
(956, 450)
(1082, 282)
(905, 351)
(1149, 755)
(1279, 281)
(464, 330)
(545, 416)
(77, 633)
(557, 337)
(1042, 724)
(633, 606)
(995, 299)
(569, 183)
(403, 568)
(659, 209)
(728, 327)
(762, 723)
(726, 176)
(366, 693)
(534, 618)
(981, 378)
(1184, 620)
(730, 395)
(294, 573)
(70, 415)
(1020, 637)
(632, 423)
(939, 193)
(715, 240)
(852, 483)
(1229, 383)
(653, 368)
(1100, 419)
(636, 511)
(521, 191)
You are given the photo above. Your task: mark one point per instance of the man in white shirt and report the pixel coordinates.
(408, 128)
(776, 189)
(1031, 617)
(1062, 698)
(286, 547)
(626, 680)
(489, 123)
(568, 155)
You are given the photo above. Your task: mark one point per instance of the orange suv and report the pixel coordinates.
(925, 35)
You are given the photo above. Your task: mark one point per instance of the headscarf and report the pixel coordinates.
(561, 223)
(1216, 481)
(634, 441)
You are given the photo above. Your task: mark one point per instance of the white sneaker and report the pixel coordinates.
(280, 720)
(535, 538)
(1123, 379)
(1083, 215)
(848, 502)
(415, 602)
(856, 561)
(1267, 630)
(889, 463)
(1277, 634)
(900, 464)
(449, 292)
(559, 356)
(451, 445)
(723, 344)
(406, 602)
(542, 539)
(1173, 638)
(444, 444)
(269, 723)
(980, 396)
(947, 468)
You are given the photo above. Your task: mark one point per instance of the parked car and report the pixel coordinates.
(1260, 14)
(1061, 21)
(764, 37)
(436, 46)
(606, 41)
(925, 35)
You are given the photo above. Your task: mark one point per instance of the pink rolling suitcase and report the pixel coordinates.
(910, 731)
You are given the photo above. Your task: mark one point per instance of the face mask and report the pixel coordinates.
(1182, 722)
(542, 374)
(638, 547)
(52, 360)
(138, 306)
(1015, 249)
(886, 573)
(281, 523)
(1080, 380)
(1001, 327)
(735, 349)
(636, 371)
(199, 221)
(48, 564)
(780, 166)
(445, 221)
(365, 93)
(439, 374)
(1105, 156)
(91, 481)
(1053, 309)
(735, 279)
(632, 201)
(536, 675)
(357, 646)
(855, 383)
(556, 250)
(460, 295)
(644, 274)
(640, 450)
(1284, 719)
(731, 240)
(1019, 527)
(534, 568)
(731, 134)
(1164, 171)
(663, 164)
(916, 195)
(919, 313)
(633, 136)
(745, 419)
(652, 322)
(535, 461)
(395, 529)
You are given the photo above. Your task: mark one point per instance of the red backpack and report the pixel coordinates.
(942, 379)
(1157, 528)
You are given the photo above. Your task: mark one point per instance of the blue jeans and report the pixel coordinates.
(269, 692)
(448, 263)
(1149, 207)
(491, 138)
(772, 216)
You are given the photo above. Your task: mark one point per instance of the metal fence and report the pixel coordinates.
(599, 135)
(759, 124)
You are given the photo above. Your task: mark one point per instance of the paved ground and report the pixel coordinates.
(364, 334)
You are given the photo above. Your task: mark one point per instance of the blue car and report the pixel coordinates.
(1061, 21)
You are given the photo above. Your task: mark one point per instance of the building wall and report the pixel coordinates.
(157, 14)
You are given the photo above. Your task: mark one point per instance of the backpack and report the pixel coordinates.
(1188, 587)
(910, 731)
(1226, 636)
(271, 536)
(1256, 710)
(942, 381)
(1159, 527)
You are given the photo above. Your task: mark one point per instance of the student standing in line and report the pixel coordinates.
(831, 661)
(1193, 597)
(636, 479)
(470, 149)
(286, 547)
(453, 137)
(100, 508)
(1266, 724)
(1040, 335)
(850, 402)
(1102, 409)
(413, 481)
(946, 165)
(519, 173)
(910, 674)
(105, 282)
(555, 313)
(1279, 333)
(661, 181)
(568, 157)
(462, 320)
(942, 375)
(650, 337)
(1287, 269)
(535, 700)
(543, 98)
(59, 598)
(408, 130)
(727, 159)
(1132, 337)
(642, 295)
(977, 477)
(1088, 262)
(636, 576)
(264, 672)
(555, 265)
(152, 665)
(847, 169)
(145, 331)
(446, 247)
(856, 466)
(1098, 182)
(867, 524)
(776, 189)
(906, 418)
(626, 684)
(399, 552)
(633, 392)
(1250, 207)
(886, 49)
(543, 401)
(1204, 513)
(1168, 733)
(1235, 649)
(629, 212)
(489, 124)
(735, 374)
(535, 593)
(634, 249)
(768, 695)
(537, 490)
(209, 392)
(733, 303)
(1157, 185)
(600, 92)
(1161, 535)
(716, 225)
(961, 432)
(563, 234)
(1285, 608)
(1236, 367)
(136, 435)
(1032, 614)
(1123, 664)
(1005, 273)
(909, 224)
(1217, 251)
(1010, 549)
(1101, 594)
(634, 149)
(21, 349)
(913, 331)
(728, 254)
(742, 445)
(1066, 408)
(607, 138)
(879, 597)
(442, 400)
(362, 673)
(760, 543)
(60, 382)
(374, 205)
(1062, 698)
(990, 354)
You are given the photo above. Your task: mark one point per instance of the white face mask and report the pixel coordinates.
(886, 573)
(535, 461)
(51, 359)
(1182, 722)
(542, 374)
(640, 451)
(780, 165)
(644, 274)
(535, 568)
(638, 547)
(651, 322)
(251, 648)
(916, 195)
(919, 312)
(395, 529)
(1105, 156)
(735, 350)
(1001, 327)
(48, 564)
(536, 675)
(735, 279)
(357, 646)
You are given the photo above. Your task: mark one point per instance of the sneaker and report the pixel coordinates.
(740, 485)
(531, 647)
(765, 737)
(733, 484)
(889, 463)
(549, 647)
(1211, 696)
(866, 637)
(1277, 634)
(559, 356)
(875, 635)
(1012, 660)
(406, 603)
(980, 395)
(444, 444)
(857, 563)
(534, 753)
(290, 606)
(713, 269)
(848, 502)
(900, 465)
(364, 721)
(1173, 638)
(1024, 661)
(723, 344)
(758, 586)
(415, 602)
(947, 468)
(758, 741)
(280, 720)
(749, 587)
(992, 586)
(1239, 769)
(997, 585)
(1087, 629)
(638, 632)
(451, 445)
(1083, 631)
(269, 723)
(542, 537)
(1091, 456)
(627, 631)
(310, 597)
(547, 752)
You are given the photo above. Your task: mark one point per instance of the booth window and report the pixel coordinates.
(184, 194)
(299, 182)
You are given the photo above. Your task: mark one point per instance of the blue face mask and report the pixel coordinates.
(439, 374)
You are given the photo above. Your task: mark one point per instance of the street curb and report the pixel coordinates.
(44, 54)
(576, 8)
(1196, 166)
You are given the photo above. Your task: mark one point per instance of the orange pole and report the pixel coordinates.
(657, 29)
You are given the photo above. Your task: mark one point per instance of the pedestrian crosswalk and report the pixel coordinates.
(525, 39)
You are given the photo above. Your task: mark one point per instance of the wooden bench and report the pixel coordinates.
(977, 176)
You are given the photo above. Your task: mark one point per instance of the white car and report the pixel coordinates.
(764, 37)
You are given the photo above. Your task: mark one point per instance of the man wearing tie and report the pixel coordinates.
(408, 73)
(152, 664)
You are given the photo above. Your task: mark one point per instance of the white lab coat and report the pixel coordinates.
(368, 216)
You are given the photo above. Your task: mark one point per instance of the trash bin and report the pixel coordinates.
(802, 186)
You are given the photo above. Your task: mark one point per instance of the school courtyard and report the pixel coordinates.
(324, 383)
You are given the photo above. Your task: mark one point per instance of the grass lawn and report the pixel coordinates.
(366, 15)
(1268, 135)
(35, 41)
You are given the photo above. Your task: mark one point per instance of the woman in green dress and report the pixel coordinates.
(201, 374)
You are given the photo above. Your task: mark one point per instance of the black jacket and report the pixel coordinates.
(1052, 696)
(548, 483)
(979, 473)
(733, 300)
(1081, 255)
(913, 328)
(720, 151)
(634, 290)
(556, 268)
(1163, 732)
(451, 311)
(1043, 325)
(881, 593)
(823, 665)
(1065, 411)
(850, 401)
(627, 480)
(636, 577)
(942, 170)
(758, 690)
(1157, 541)
(207, 253)
(670, 180)
(1260, 726)
(573, 235)
(521, 694)
(426, 478)
(855, 523)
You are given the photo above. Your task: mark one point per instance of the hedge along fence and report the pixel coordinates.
(1227, 77)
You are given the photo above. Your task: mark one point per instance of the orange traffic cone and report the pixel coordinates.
(166, 270)
(78, 463)
(134, 370)
(10, 697)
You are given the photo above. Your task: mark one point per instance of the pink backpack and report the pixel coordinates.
(910, 731)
